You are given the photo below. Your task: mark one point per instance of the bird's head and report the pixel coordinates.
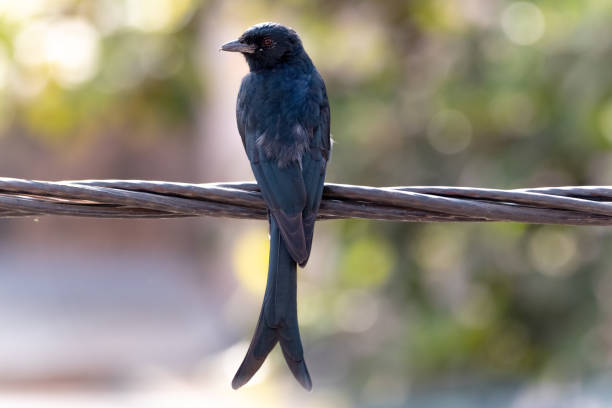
(267, 45)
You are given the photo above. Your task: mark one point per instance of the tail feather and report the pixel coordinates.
(298, 368)
(278, 318)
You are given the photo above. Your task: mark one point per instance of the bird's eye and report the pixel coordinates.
(268, 42)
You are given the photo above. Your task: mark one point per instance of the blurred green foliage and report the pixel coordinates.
(495, 94)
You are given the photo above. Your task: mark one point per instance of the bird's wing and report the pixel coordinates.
(314, 163)
(284, 192)
(267, 139)
(242, 110)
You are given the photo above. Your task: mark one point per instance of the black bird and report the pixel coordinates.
(283, 118)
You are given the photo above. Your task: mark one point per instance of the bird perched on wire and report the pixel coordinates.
(283, 118)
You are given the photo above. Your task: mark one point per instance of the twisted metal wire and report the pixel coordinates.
(586, 205)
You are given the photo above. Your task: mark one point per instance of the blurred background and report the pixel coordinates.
(158, 313)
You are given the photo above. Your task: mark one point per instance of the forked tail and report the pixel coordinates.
(278, 318)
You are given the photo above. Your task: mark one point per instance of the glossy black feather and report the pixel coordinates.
(283, 118)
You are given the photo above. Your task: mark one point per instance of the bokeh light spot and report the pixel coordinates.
(553, 252)
(523, 23)
(157, 15)
(356, 311)
(250, 258)
(367, 262)
(72, 48)
(19, 10)
(67, 49)
(449, 131)
(29, 44)
(440, 250)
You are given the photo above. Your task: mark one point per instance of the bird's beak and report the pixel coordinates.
(237, 46)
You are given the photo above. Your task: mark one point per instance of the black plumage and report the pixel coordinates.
(283, 119)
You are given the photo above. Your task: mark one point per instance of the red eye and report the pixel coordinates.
(268, 42)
